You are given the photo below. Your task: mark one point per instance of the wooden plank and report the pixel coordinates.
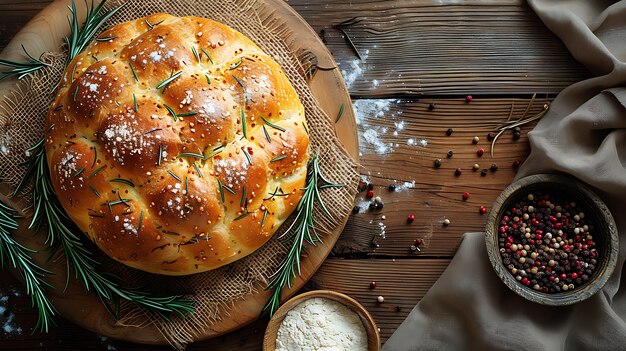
(436, 193)
(418, 47)
(402, 283)
(424, 47)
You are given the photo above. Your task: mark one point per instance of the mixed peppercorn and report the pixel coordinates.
(547, 243)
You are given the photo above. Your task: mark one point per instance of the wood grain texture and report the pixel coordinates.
(422, 47)
(402, 283)
(436, 193)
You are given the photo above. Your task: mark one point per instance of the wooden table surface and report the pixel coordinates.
(414, 53)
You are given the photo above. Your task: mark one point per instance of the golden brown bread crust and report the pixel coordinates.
(122, 164)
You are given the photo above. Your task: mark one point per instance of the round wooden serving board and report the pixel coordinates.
(45, 32)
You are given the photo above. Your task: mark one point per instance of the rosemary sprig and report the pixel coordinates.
(340, 113)
(300, 232)
(22, 69)
(80, 37)
(169, 79)
(63, 235)
(273, 125)
(243, 124)
(195, 53)
(18, 256)
(133, 70)
(207, 56)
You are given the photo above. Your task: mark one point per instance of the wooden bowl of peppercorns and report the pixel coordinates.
(551, 239)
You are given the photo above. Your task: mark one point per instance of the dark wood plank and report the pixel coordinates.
(451, 48)
(416, 47)
(436, 193)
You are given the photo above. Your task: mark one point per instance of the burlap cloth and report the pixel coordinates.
(21, 125)
(583, 134)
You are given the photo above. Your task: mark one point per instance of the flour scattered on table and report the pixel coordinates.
(321, 324)
(405, 186)
(372, 117)
(7, 318)
(108, 343)
(354, 69)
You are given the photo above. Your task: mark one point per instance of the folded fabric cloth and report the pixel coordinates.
(584, 135)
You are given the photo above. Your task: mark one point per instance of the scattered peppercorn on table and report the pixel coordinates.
(429, 90)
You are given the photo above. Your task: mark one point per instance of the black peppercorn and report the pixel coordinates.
(370, 186)
(391, 187)
(356, 209)
(380, 205)
(494, 167)
(431, 106)
(438, 163)
(490, 136)
(450, 153)
(516, 135)
(484, 172)
(449, 131)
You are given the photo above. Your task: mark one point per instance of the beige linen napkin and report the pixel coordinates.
(584, 135)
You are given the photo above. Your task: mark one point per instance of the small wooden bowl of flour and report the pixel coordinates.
(319, 320)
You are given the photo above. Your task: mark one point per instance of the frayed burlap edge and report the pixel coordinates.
(214, 292)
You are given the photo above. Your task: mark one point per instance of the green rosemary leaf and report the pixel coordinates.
(94, 190)
(95, 157)
(169, 232)
(278, 158)
(229, 189)
(273, 125)
(208, 80)
(240, 82)
(123, 181)
(120, 201)
(98, 215)
(221, 186)
(107, 38)
(207, 56)
(151, 26)
(243, 124)
(195, 53)
(160, 155)
(140, 222)
(169, 79)
(79, 172)
(235, 65)
(197, 170)
(73, 73)
(169, 109)
(96, 171)
(215, 152)
(247, 155)
(191, 154)
(300, 232)
(135, 103)
(152, 130)
(267, 135)
(80, 37)
(95, 58)
(133, 70)
(75, 93)
(186, 185)
(242, 202)
(174, 175)
(18, 256)
(264, 216)
(185, 114)
(246, 214)
(22, 69)
(340, 113)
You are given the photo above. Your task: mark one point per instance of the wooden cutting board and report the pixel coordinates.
(46, 31)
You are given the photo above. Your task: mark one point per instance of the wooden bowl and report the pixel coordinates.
(373, 338)
(605, 236)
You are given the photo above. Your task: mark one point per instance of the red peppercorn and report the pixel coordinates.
(410, 218)
(538, 236)
(370, 194)
(480, 152)
(466, 195)
(483, 209)
(516, 164)
(372, 284)
(418, 242)
(468, 98)
(574, 275)
(458, 172)
(563, 276)
(525, 281)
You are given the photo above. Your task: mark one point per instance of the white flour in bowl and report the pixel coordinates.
(321, 324)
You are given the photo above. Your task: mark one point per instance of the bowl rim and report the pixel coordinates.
(611, 238)
(344, 299)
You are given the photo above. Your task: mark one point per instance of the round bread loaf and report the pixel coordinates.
(176, 144)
